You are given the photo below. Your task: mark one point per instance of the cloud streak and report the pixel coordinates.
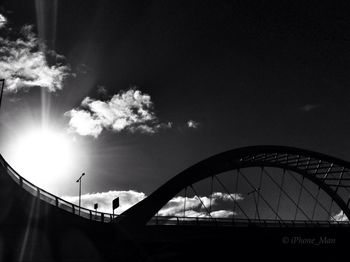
(129, 110)
(308, 107)
(192, 124)
(23, 62)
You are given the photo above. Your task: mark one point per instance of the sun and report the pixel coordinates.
(43, 156)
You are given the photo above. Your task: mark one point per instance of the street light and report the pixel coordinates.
(79, 180)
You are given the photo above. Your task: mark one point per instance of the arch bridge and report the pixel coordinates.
(259, 184)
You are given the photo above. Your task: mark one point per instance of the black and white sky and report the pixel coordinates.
(142, 90)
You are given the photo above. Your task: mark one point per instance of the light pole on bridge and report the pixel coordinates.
(79, 180)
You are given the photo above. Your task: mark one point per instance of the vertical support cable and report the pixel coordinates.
(314, 208)
(223, 186)
(211, 193)
(201, 201)
(314, 197)
(266, 202)
(185, 202)
(330, 209)
(299, 196)
(280, 194)
(258, 198)
(339, 180)
(256, 205)
(236, 191)
(291, 199)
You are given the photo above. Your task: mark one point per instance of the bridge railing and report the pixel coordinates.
(208, 221)
(55, 200)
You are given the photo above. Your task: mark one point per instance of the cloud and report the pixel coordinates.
(339, 217)
(223, 214)
(194, 207)
(101, 90)
(174, 207)
(104, 200)
(227, 197)
(83, 123)
(192, 124)
(3, 21)
(308, 107)
(23, 62)
(129, 110)
(83, 69)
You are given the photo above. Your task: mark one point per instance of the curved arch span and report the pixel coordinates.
(328, 173)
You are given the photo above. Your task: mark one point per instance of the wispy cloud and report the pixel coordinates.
(83, 69)
(192, 124)
(129, 110)
(23, 62)
(308, 107)
(3, 21)
(101, 90)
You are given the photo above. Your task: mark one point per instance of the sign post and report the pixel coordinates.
(115, 204)
(95, 207)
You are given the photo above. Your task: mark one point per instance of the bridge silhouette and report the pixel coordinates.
(261, 189)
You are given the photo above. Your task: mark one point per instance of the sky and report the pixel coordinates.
(141, 91)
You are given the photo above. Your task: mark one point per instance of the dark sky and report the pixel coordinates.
(250, 72)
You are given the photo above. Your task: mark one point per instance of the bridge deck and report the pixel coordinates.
(206, 221)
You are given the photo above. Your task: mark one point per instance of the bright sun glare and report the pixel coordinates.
(42, 156)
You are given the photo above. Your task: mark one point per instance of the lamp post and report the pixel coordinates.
(79, 180)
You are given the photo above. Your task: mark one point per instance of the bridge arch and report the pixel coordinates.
(328, 173)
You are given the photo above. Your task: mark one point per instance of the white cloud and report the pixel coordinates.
(83, 123)
(222, 214)
(227, 197)
(192, 124)
(3, 21)
(340, 217)
(192, 214)
(174, 207)
(129, 110)
(104, 200)
(194, 207)
(23, 63)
